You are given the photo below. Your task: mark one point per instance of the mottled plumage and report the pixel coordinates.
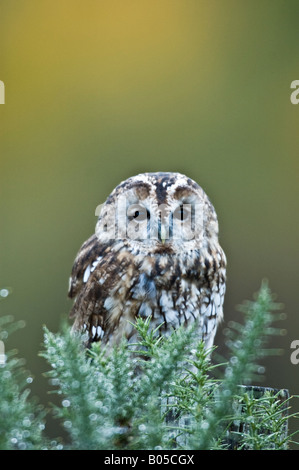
(155, 253)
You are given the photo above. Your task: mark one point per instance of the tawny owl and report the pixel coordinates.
(155, 252)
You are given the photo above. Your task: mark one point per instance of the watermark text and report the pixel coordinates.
(295, 354)
(132, 220)
(295, 94)
(2, 93)
(2, 354)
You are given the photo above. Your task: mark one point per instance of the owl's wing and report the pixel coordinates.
(87, 255)
(87, 290)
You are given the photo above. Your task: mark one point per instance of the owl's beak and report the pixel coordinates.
(162, 233)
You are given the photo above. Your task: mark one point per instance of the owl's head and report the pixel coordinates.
(161, 211)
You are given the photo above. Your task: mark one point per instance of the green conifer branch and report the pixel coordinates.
(160, 393)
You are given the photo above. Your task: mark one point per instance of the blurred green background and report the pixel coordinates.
(97, 91)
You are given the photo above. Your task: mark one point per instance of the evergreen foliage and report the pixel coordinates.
(21, 419)
(161, 393)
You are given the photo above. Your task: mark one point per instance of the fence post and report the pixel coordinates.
(238, 427)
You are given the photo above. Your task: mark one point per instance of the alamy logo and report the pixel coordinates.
(295, 94)
(130, 220)
(2, 354)
(295, 354)
(2, 93)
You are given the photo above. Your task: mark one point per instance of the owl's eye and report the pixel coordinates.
(138, 212)
(182, 212)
